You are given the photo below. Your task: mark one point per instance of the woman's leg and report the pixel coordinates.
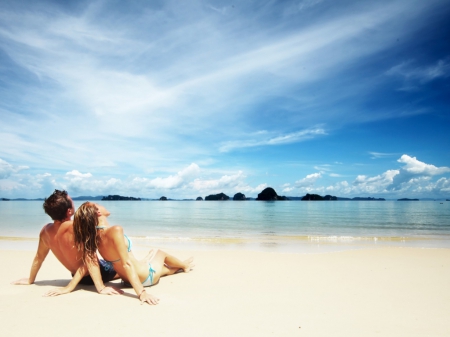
(165, 264)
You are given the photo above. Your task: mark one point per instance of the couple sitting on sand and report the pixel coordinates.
(75, 244)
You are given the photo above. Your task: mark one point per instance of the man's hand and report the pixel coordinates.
(147, 298)
(111, 291)
(23, 281)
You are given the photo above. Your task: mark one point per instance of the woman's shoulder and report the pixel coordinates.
(114, 231)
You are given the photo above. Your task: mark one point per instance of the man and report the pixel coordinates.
(58, 237)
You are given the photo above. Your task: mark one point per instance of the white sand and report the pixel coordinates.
(376, 292)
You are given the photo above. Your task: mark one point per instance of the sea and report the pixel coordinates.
(271, 226)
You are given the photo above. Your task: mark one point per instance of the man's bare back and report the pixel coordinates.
(59, 238)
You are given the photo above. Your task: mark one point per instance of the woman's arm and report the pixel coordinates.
(79, 274)
(94, 271)
(117, 239)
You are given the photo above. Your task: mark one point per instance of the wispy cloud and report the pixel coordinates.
(414, 75)
(278, 140)
(408, 71)
(378, 155)
(6, 169)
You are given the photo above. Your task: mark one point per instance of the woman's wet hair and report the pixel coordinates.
(85, 231)
(57, 204)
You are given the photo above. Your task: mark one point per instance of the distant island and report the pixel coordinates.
(362, 199)
(220, 196)
(84, 197)
(269, 194)
(239, 196)
(119, 197)
(316, 197)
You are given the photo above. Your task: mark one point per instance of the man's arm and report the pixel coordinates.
(41, 254)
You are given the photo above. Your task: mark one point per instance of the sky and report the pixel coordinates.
(191, 98)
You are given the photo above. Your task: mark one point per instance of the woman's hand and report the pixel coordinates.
(111, 291)
(147, 298)
(57, 292)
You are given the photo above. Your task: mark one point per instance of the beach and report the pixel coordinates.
(383, 291)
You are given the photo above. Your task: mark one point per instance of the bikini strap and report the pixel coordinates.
(129, 242)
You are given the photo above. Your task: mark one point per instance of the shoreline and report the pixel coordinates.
(268, 243)
(385, 291)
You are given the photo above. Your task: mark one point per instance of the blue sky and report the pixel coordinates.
(190, 98)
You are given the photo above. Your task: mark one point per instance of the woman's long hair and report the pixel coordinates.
(85, 231)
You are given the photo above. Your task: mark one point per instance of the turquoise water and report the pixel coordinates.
(287, 225)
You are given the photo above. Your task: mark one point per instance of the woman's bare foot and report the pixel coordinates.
(188, 265)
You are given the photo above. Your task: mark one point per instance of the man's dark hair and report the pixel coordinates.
(57, 204)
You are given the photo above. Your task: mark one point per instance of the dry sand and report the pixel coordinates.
(371, 292)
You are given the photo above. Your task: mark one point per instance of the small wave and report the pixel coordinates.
(160, 238)
(360, 238)
(15, 238)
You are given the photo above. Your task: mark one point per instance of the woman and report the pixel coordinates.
(115, 247)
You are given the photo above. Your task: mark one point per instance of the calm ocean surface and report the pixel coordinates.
(271, 226)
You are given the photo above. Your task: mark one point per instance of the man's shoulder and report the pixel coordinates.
(66, 226)
(46, 233)
(46, 228)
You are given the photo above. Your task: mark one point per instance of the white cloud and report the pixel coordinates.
(308, 181)
(287, 188)
(78, 175)
(443, 185)
(376, 184)
(414, 178)
(377, 155)
(217, 185)
(278, 140)
(412, 171)
(322, 168)
(414, 166)
(416, 75)
(174, 181)
(6, 169)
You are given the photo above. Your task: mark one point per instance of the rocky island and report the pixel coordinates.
(239, 196)
(120, 198)
(269, 194)
(220, 196)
